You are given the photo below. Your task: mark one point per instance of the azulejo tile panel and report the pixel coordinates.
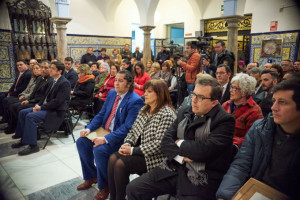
(4, 53)
(5, 71)
(290, 41)
(97, 40)
(7, 61)
(5, 36)
(4, 87)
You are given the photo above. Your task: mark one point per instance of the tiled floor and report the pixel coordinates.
(52, 173)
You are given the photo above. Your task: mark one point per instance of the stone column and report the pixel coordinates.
(232, 36)
(147, 43)
(61, 30)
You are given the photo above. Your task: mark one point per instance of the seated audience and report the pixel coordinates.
(82, 92)
(51, 108)
(155, 71)
(108, 84)
(241, 67)
(88, 57)
(69, 72)
(178, 82)
(137, 54)
(37, 94)
(223, 75)
(126, 53)
(241, 105)
(77, 65)
(141, 149)
(270, 152)
(286, 66)
(256, 73)
(251, 66)
(95, 69)
(264, 99)
(103, 55)
(291, 74)
(197, 147)
(208, 68)
(125, 65)
(117, 116)
(165, 73)
(140, 78)
(267, 66)
(188, 99)
(277, 68)
(99, 80)
(116, 57)
(297, 65)
(36, 72)
(148, 66)
(21, 81)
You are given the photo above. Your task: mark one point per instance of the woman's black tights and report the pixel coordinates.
(118, 178)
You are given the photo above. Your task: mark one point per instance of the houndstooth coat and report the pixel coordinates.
(151, 129)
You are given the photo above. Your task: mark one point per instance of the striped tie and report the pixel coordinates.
(113, 112)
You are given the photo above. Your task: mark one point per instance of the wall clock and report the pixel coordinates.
(271, 48)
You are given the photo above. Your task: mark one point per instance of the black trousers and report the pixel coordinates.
(146, 187)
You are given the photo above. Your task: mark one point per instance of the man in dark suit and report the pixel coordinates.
(20, 84)
(70, 73)
(198, 150)
(50, 109)
(88, 57)
(38, 93)
(223, 75)
(163, 55)
(223, 56)
(137, 54)
(117, 115)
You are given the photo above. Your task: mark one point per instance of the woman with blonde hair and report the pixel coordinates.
(116, 57)
(84, 87)
(148, 66)
(155, 71)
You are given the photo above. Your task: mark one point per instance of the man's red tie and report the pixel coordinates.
(113, 112)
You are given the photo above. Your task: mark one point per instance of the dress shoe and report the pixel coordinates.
(102, 194)
(29, 150)
(8, 131)
(17, 145)
(87, 184)
(15, 136)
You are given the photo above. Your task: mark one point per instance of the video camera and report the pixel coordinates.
(203, 43)
(176, 51)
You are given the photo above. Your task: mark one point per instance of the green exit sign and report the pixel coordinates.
(222, 7)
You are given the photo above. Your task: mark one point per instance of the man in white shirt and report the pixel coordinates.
(223, 75)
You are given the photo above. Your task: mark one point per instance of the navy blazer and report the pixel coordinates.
(56, 104)
(22, 83)
(124, 118)
(226, 95)
(72, 77)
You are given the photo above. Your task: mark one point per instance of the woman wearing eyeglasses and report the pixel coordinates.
(242, 106)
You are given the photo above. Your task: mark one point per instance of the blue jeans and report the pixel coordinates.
(27, 125)
(190, 87)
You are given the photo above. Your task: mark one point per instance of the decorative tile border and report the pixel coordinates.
(290, 46)
(7, 61)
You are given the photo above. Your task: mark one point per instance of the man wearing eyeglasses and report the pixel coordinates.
(197, 147)
(223, 75)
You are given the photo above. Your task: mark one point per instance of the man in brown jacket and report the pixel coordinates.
(192, 66)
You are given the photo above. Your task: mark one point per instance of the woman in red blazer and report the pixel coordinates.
(140, 78)
(108, 84)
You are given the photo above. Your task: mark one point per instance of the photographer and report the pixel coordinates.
(207, 67)
(163, 55)
(192, 66)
